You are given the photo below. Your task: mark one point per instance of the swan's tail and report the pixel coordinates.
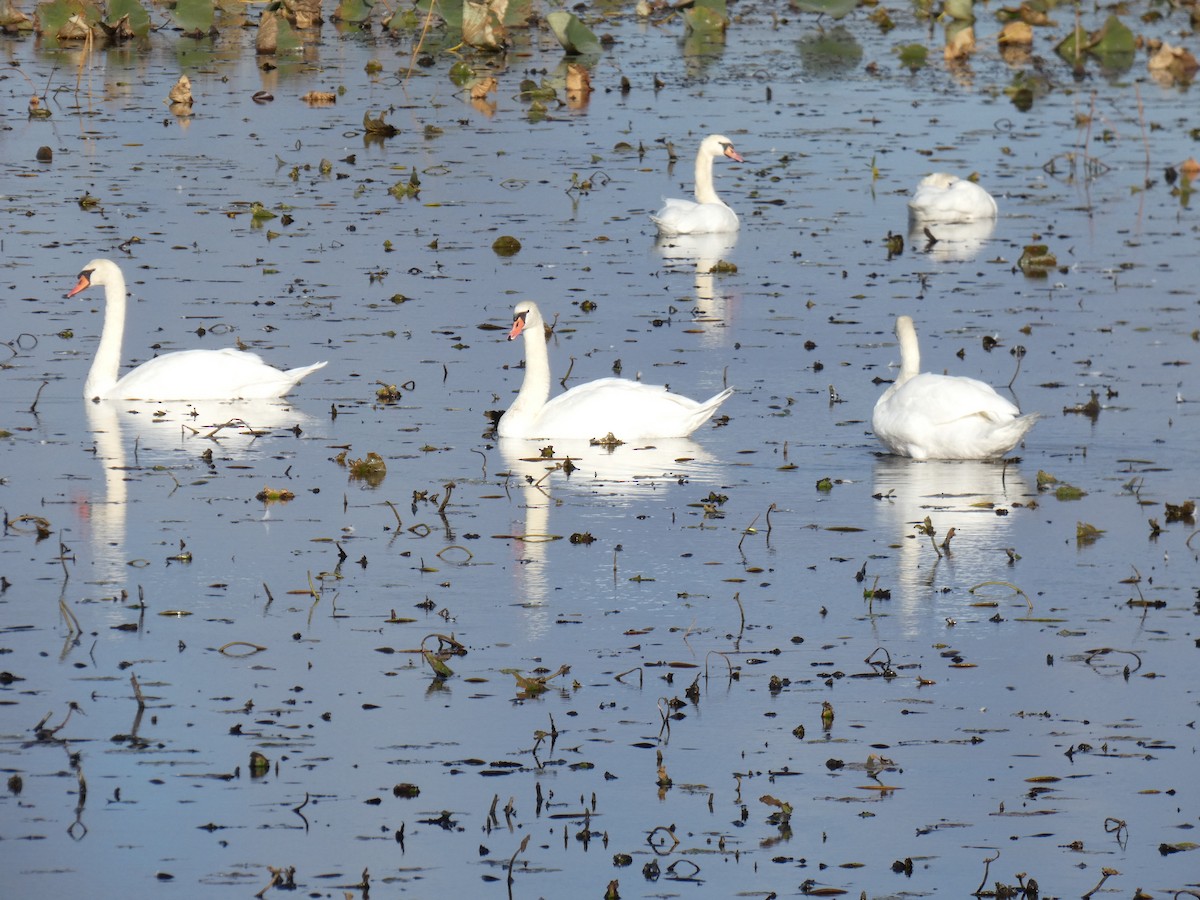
(295, 376)
(705, 410)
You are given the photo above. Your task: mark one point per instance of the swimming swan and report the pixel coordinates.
(928, 416)
(708, 214)
(227, 374)
(629, 409)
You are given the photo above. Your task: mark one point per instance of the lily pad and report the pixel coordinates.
(707, 17)
(194, 16)
(576, 38)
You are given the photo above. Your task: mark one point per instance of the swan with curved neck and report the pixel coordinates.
(629, 409)
(185, 375)
(945, 198)
(929, 416)
(708, 214)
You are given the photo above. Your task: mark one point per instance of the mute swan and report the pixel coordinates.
(929, 416)
(184, 375)
(941, 197)
(708, 214)
(629, 409)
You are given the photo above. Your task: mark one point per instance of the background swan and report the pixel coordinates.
(929, 416)
(942, 197)
(708, 214)
(629, 409)
(185, 375)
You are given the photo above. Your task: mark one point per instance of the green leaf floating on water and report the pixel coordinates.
(707, 17)
(576, 38)
(139, 19)
(1113, 45)
(353, 11)
(835, 9)
(194, 16)
(53, 15)
(913, 55)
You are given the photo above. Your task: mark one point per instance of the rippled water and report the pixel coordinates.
(1005, 696)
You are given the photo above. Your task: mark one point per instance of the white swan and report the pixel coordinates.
(941, 197)
(708, 214)
(629, 409)
(929, 416)
(185, 375)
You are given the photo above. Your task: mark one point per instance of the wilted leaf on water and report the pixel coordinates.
(1073, 46)
(302, 13)
(379, 126)
(1018, 33)
(275, 35)
(575, 37)
(1172, 64)
(913, 55)
(707, 17)
(960, 41)
(483, 24)
(1069, 492)
(531, 90)
(481, 87)
(440, 669)
(12, 19)
(449, 11)
(273, 495)
(371, 469)
(136, 16)
(181, 91)
(1087, 534)
(260, 212)
(320, 98)
(579, 85)
(74, 29)
(1035, 260)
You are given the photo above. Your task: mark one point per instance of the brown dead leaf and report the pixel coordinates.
(1016, 34)
(320, 98)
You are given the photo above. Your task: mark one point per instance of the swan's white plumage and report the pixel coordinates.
(226, 374)
(928, 416)
(707, 214)
(629, 409)
(942, 197)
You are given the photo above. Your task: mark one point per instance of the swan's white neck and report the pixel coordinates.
(705, 192)
(102, 377)
(535, 389)
(910, 350)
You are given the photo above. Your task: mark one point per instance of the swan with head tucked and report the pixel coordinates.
(707, 214)
(941, 197)
(629, 409)
(227, 374)
(928, 416)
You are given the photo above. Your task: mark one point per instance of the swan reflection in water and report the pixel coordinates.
(605, 482)
(976, 498)
(714, 308)
(131, 438)
(951, 241)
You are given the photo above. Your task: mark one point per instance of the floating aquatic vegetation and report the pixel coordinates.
(912, 56)
(1036, 261)
(378, 127)
(710, 18)
(319, 98)
(274, 495)
(506, 245)
(275, 35)
(372, 469)
(1172, 65)
(179, 98)
(483, 24)
(576, 38)
(1113, 44)
(195, 17)
(354, 12)
(12, 20)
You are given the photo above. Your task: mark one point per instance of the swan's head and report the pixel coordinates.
(719, 145)
(98, 271)
(525, 315)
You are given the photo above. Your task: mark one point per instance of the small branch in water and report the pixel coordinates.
(38, 396)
